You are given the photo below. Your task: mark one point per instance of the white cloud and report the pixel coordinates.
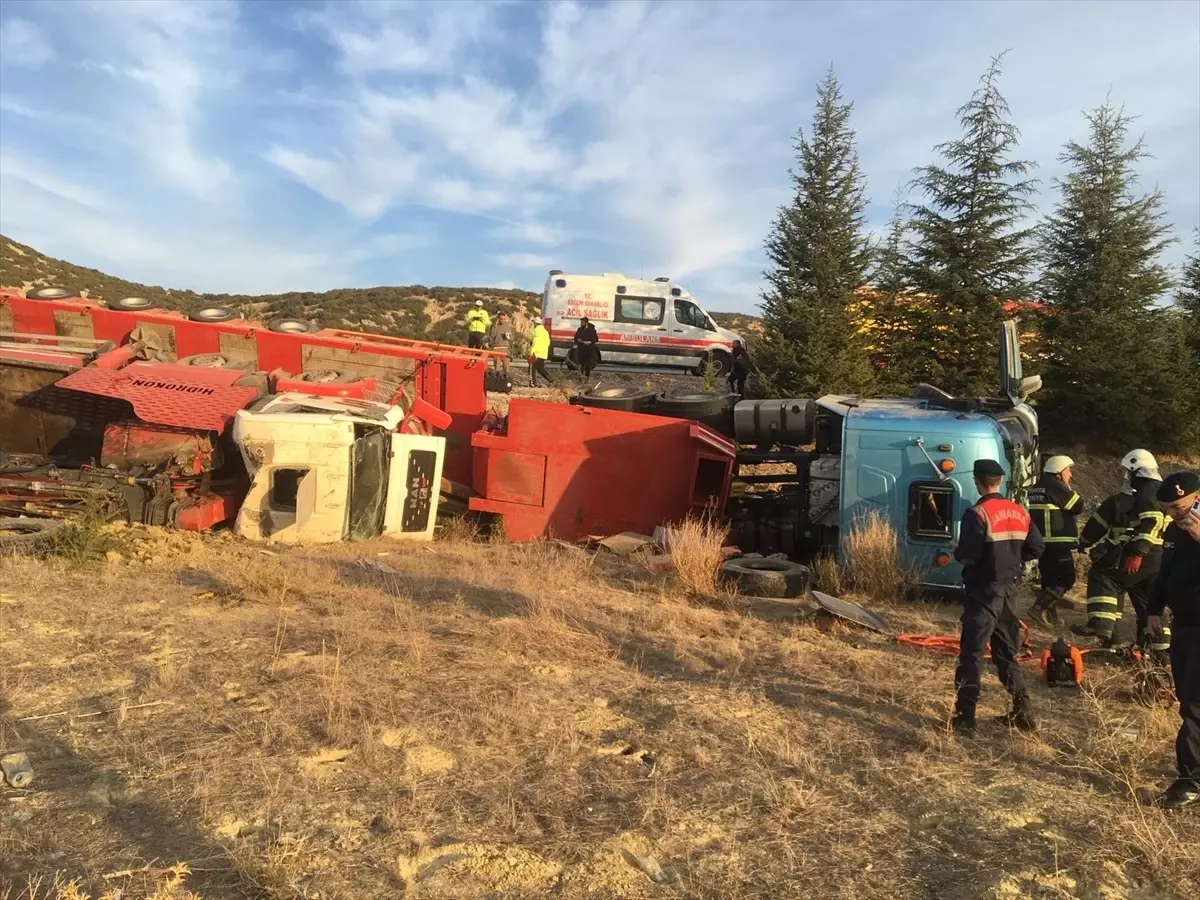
(523, 260)
(544, 234)
(45, 179)
(23, 44)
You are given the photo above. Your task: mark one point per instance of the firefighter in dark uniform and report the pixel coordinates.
(1178, 588)
(1127, 533)
(1053, 507)
(995, 539)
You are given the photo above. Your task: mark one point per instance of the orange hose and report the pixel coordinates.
(949, 645)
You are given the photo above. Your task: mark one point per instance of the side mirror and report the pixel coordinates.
(1030, 385)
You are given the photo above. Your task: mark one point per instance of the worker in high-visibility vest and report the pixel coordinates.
(478, 322)
(1054, 507)
(539, 352)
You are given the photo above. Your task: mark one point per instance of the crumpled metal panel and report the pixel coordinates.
(186, 397)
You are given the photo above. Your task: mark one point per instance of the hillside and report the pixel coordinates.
(412, 311)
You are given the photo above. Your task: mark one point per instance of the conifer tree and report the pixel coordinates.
(1187, 299)
(970, 252)
(819, 255)
(1119, 368)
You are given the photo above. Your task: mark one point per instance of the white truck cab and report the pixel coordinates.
(639, 322)
(326, 469)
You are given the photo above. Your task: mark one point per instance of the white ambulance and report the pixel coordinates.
(641, 323)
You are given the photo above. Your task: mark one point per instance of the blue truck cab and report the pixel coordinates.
(907, 460)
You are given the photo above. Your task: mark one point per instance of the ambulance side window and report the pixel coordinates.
(639, 310)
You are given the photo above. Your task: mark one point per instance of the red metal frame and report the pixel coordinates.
(448, 377)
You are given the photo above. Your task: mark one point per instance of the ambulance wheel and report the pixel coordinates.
(133, 304)
(722, 364)
(284, 325)
(205, 361)
(767, 577)
(627, 399)
(330, 376)
(51, 293)
(213, 314)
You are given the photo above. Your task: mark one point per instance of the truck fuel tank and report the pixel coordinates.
(763, 423)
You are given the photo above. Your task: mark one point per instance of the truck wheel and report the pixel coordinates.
(204, 361)
(51, 293)
(627, 399)
(768, 577)
(213, 314)
(693, 406)
(722, 364)
(133, 304)
(27, 534)
(330, 376)
(284, 325)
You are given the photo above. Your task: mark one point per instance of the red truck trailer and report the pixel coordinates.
(136, 401)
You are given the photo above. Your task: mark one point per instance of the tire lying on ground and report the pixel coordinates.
(286, 325)
(626, 399)
(26, 534)
(133, 304)
(57, 292)
(767, 577)
(213, 314)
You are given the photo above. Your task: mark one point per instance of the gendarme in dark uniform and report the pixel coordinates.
(1177, 588)
(995, 538)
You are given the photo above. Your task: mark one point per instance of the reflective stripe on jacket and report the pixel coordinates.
(1127, 524)
(1053, 508)
(995, 537)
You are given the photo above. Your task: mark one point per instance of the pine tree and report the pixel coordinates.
(970, 253)
(1118, 367)
(898, 357)
(1187, 300)
(819, 255)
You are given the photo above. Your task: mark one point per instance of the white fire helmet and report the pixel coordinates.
(1056, 464)
(1141, 464)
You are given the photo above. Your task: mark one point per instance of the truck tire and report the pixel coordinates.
(133, 304)
(626, 399)
(329, 376)
(285, 325)
(26, 534)
(58, 292)
(214, 314)
(692, 406)
(767, 577)
(722, 363)
(205, 361)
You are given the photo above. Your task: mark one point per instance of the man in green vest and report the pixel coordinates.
(478, 322)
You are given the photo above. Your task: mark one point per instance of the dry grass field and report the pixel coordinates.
(475, 719)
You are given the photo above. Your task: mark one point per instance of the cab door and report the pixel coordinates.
(691, 333)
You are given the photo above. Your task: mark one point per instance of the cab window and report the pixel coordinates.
(639, 310)
(930, 510)
(687, 313)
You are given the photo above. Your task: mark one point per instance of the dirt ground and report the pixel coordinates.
(473, 719)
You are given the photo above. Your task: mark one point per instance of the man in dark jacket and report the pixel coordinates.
(1127, 533)
(740, 369)
(1177, 588)
(995, 538)
(1053, 507)
(587, 346)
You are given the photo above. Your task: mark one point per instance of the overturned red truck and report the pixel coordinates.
(290, 433)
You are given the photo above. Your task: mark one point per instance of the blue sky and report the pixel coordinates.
(270, 146)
